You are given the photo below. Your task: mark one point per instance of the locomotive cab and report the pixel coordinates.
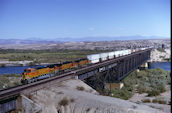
(26, 73)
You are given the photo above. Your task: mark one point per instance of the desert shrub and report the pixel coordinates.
(167, 59)
(161, 88)
(153, 92)
(141, 89)
(160, 101)
(1, 85)
(88, 109)
(4, 80)
(155, 100)
(123, 93)
(146, 100)
(169, 103)
(81, 88)
(72, 100)
(161, 49)
(64, 102)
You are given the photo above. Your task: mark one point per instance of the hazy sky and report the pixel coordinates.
(82, 18)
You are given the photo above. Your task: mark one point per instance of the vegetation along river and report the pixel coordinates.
(20, 69)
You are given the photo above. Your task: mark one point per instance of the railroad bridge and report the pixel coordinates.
(117, 69)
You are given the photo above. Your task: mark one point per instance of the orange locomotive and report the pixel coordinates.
(33, 74)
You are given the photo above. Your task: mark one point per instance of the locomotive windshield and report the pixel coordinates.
(27, 70)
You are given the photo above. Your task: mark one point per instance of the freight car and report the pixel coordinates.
(33, 74)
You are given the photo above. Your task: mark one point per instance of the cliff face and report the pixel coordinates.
(157, 56)
(74, 96)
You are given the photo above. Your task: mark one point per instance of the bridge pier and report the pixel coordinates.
(111, 86)
(25, 105)
(144, 66)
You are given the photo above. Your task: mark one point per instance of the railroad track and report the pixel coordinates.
(15, 91)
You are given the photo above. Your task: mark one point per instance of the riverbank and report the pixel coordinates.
(6, 62)
(160, 55)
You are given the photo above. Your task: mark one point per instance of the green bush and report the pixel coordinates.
(161, 88)
(154, 92)
(123, 93)
(148, 81)
(142, 89)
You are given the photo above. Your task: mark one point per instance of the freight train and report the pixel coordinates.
(33, 74)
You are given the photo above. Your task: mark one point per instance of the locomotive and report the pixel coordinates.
(33, 74)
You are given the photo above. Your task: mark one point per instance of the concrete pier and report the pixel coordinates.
(144, 66)
(111, 86)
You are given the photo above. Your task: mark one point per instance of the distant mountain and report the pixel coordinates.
(137, 37)
(24, 41)
(69, 39)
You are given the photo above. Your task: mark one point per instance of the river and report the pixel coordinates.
(20, 69)
(164, 65)
(13, 69)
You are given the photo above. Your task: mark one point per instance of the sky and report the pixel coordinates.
(50, 19)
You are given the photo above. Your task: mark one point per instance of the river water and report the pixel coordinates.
(13, 69)
(164, 65)
(20, 69)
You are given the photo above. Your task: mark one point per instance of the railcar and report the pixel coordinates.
(104, 56)
(94, 58)
(111, 55)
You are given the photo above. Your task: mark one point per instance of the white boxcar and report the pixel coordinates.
(122, 53)
(117, 53)
(94, 58)
(104, 56)
(125, 52)
(111, 55)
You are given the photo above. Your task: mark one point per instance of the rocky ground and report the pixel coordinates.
(157, 56)
(74, 96)
(166, 97)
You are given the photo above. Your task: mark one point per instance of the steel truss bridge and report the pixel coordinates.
(121, 66)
